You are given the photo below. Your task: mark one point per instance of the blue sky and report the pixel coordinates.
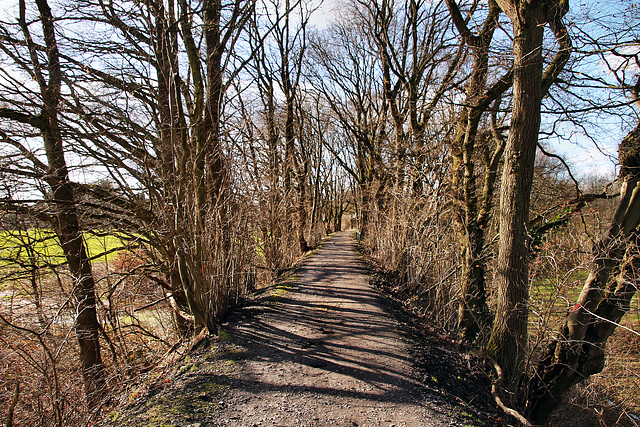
(593, 150)
(580, 151)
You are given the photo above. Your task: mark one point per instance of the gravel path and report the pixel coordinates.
(320, 351)
(326, 354)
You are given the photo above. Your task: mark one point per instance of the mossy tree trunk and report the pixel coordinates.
(473, 206)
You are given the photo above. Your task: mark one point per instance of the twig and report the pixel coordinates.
(12, 407)
(566, 166)
(153, 303)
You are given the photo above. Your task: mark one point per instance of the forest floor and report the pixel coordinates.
(322, 348)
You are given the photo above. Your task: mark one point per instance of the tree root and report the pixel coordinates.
(495, 386)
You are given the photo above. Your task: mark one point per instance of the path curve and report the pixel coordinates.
(324, 353)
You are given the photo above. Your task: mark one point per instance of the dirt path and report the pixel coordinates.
(320, 352)
(327, 354)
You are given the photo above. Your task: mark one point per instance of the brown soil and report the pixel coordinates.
(324, 349)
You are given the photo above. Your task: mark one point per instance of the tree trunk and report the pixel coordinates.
(302, 211)
(473, 313)
(292, 166)
(365, 209)
(508, 342)
(67, 226)
(172, 138)
(208, 180)
(86, 323)
(184, 324)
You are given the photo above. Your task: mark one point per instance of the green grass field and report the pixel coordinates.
(42, 246)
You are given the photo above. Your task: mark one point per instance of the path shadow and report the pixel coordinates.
(331, 327)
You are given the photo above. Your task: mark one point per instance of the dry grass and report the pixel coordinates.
(420, 249)
(40, 352)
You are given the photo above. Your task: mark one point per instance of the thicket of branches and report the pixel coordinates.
(211, 144)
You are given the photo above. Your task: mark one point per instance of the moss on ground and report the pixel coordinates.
(282, 289)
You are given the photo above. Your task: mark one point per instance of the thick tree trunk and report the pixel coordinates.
(365, 209)
(274, 232)
(67, 225)
(70, 235)
(508, 342)
(292, 165)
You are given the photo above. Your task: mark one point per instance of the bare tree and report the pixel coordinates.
(416, 55)
(179, 158)
(48, 76)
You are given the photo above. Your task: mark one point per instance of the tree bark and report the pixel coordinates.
(508, 342)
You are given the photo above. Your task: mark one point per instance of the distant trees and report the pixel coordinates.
(278, 72)
(344, 72)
